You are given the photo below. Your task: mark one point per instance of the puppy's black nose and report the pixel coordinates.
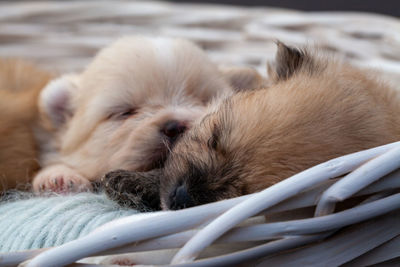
(173, 129)
(180, 199)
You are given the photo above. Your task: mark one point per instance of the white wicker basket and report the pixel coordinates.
(363, 235)
(64, 35)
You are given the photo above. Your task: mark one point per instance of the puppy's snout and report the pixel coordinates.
(180, 199)
(172, 129)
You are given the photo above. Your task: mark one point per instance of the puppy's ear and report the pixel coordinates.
(288, 61)
(242, 78)
(55, 101)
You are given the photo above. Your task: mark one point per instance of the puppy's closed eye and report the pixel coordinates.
(122, 114)
(212, 143)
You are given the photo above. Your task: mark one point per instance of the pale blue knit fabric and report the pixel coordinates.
(40, 222)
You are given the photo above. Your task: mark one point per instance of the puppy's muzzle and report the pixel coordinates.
(180, 198)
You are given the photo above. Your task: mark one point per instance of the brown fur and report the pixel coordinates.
(316, 109)
(20, 84)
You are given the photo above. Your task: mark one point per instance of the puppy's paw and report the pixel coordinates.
(60, 179)
(138, 190)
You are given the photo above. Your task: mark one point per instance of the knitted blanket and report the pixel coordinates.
(40, 222)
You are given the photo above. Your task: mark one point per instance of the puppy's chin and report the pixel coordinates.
(155, 157)
(155, 160)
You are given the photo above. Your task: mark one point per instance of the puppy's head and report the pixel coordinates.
(130, 105)
(314, 111)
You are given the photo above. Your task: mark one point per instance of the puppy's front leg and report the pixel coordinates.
(138, 190)
(61, 179)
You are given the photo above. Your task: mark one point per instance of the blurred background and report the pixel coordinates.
(63, 36)
(390, 7)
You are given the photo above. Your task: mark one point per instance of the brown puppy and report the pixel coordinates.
(317, 109)
(125, 110)
(20, 85)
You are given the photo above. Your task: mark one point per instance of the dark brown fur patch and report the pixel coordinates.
(138, 190)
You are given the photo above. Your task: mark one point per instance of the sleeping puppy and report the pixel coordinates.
(20, 85)
(317, 109)
(126, 109)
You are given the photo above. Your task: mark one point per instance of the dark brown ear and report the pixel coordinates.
(242, 78)
(288, 61)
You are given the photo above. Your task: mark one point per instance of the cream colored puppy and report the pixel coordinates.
(126, 109)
